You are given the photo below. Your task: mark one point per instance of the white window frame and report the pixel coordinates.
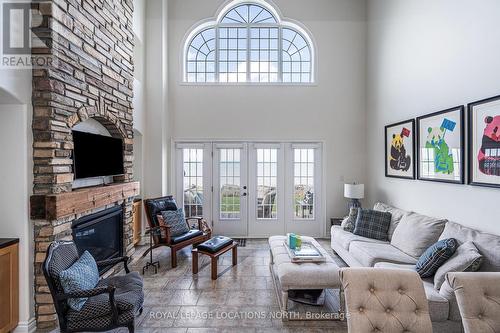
(281, 23)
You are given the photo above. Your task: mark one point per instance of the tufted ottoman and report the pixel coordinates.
(292, 276)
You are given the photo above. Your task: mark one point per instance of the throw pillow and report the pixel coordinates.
(396, 216)
(82, 275)
(176, 220)
(466, 259)
(372, 224)
(415, 233)
(435, 256)
(349, 222)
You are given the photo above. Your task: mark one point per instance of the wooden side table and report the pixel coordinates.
(214, 257)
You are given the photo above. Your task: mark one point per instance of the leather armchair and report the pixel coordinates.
(478, 298)
(385, 300)
(113, 303)
(161, 232)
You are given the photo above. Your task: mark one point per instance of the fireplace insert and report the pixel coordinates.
(101, 234)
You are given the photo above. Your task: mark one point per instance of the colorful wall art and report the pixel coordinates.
(400, 149)
(440, 152)
(484, 142)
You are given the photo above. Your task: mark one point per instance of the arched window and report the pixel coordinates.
(248, 43)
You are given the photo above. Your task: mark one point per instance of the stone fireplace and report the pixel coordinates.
(91, 44)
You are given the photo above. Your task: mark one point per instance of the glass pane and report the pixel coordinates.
(229, 165)
(267, 179)
(304, 195)
(193, 181)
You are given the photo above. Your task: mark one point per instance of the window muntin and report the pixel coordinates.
(303, 181)
(249, 44)
(267, 182)
(249, 14)
(193, 181)
(296, 57)
(201, 57)
(233, 54)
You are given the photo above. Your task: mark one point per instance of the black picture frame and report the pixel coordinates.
(461, 110)
(412, 174)
(472, 150)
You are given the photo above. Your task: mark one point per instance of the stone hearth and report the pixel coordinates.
(91, 43)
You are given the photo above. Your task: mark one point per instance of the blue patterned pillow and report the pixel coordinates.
(176, 220)
(372, 224)
(435, 256)
(82, 275)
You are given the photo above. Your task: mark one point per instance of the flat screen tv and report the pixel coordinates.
(96, 155)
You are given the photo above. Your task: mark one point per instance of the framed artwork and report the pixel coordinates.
(484, 142)
(440, 142)
(399, 144)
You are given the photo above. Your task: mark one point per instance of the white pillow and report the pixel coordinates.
(396, 216)
(466, 258)
(416, 232)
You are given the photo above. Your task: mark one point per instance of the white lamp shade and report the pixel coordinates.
(354, 191)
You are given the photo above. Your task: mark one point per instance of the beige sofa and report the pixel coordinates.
(359, 251)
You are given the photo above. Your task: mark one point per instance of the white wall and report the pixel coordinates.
(332, 111)
(156, 137)
(425, 56)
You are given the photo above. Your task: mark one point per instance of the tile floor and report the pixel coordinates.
(241, 300)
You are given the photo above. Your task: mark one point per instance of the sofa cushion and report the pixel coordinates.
(396, 216)
(438, 305)
(372, 224)
(435, 256)
(390, 265)
(344, 238)
(487, 244)
(466, 258)
(416, 232)
(188, 235)
(368, 254)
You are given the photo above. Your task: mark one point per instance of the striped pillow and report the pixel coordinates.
(435, 256)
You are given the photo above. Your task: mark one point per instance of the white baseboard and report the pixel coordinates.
(26, 326)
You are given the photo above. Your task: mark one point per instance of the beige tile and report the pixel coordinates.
(208, 297)
(159, 317)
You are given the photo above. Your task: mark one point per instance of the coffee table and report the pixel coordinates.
(308, 275)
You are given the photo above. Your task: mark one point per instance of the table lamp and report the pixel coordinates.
(354, 192)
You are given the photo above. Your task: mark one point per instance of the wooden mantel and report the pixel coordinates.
(56, 206)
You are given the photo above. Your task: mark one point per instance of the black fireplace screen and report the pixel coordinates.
(101, 234)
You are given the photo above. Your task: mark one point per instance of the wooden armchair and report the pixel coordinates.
(161, 232)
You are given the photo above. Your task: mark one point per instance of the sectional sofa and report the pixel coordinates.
(407, 241)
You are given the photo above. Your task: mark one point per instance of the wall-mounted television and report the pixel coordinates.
(96, 155)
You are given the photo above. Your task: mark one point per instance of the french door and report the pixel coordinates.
(230, 189)
(249, 189)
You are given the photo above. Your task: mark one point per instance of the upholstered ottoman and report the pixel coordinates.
(292, 276)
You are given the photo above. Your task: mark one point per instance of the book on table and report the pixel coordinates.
(306, 253)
